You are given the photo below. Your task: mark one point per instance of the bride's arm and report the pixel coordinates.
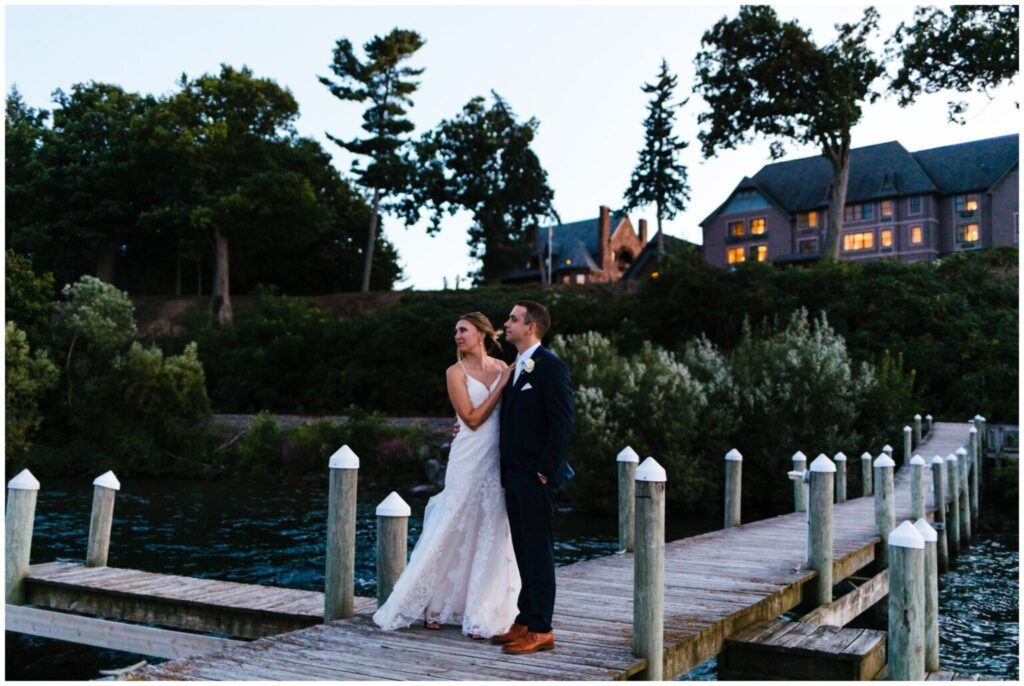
(459, 395)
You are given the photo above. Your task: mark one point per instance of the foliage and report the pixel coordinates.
(972, 48)
(29, 376)
(762, 76)
(659, 178)
(98, 314)
(28, 299)
(481, 161)
(388, 86)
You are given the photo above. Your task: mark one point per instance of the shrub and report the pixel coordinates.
(30, 376)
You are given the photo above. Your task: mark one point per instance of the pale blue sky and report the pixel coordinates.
(576, 69)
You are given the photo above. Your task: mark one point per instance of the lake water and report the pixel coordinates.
(274, 535)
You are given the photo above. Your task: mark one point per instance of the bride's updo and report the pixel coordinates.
(484, 326)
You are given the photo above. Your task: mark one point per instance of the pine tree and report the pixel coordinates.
(659, 178)
(389, 87)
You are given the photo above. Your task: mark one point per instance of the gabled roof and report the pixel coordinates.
(650, 252)
(746, 184)
(972, 166)
(566, 236)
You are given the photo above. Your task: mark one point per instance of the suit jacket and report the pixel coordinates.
(537, 419)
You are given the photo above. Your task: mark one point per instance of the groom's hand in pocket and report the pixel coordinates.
(455, 428)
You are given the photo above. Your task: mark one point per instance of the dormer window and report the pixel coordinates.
(885, 209)
(967, 205)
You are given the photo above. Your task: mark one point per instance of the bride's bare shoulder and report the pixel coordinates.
(455, 369)
(501, 364)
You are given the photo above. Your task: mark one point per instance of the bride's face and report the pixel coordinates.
(468, 338)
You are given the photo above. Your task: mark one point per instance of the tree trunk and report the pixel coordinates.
(371, 241)
(661, 237)
(105, 260)
(837, 203)
(221, 285)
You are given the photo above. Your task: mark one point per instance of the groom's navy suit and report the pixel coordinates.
(536, 423)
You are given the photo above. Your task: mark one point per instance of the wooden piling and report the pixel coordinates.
(953, 522)
(885, 506)
(104, 492)
(392, 543)
(973, 452)
(649, 569)
(340, 573)
(939, 502)
(964, 489)
(931, 595)
(627, 460)
(865, 474)
(840, 460)
(927, 424)
(887, 449)
(799, 489)
(21, 513)
(733, 487)
(917, 430)
(982, 448)
(907, 448)
(917, 467)
(906, 604)
(820, 521)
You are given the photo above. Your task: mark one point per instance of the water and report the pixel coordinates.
(267, 534)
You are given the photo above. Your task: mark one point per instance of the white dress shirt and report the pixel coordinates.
(521, 359)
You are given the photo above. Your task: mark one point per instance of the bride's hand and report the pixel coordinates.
(506, 374)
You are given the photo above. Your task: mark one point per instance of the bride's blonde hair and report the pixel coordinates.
(484, 326)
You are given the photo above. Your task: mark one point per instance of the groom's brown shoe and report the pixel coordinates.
(515, 633)
(531, 643)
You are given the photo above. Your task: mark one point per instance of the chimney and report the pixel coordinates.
(643, 233)
(604, 236)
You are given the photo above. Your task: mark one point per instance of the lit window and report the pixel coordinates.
(736, 229)
(757, 226)
(916, 235)
(967, 205)
(867, 211)
(807, 221)
(808, 246)
(736, 255)
(914, 205)
(655, 275)
(968, 233)
(864, 240)
(568, 262)
(759, 253)
(885, 209)
(581, 278)
(885, 239)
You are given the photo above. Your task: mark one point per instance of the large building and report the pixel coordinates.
(899, 205)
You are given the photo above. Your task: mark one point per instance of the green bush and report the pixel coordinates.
(30, 376)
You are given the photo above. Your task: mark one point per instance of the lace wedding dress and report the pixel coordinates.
(462, 569)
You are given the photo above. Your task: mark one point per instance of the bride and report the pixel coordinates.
(463, 569)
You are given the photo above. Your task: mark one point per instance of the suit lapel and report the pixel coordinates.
(523, 374)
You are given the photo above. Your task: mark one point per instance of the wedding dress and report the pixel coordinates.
(462, 569)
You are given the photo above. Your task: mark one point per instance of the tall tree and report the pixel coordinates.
(971, 49)
(763, 76)
(24, 128)
(659, 178)
(388, 85)
(235, 125)
(481, 161)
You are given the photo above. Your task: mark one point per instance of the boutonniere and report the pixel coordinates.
(528, 367)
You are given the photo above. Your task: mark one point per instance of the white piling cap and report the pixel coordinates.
(926, 531)
(24, 482)
(865, 456)
(108, 480)
(884, 460)
(887, 449)
(906, 536)
(839, 457)
(627, 454)
(823, 464)
(973, 430)
(951, 458)
(938, 460)
(799, 456)
(393, 506)
(981, 418)
(734, 455)
(917, 459)
(907, 429)
(344, 458)
(917, 416)
(961, 450)
(650, 470)
(928, 417)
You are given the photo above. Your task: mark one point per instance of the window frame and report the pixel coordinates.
(960, 202)
(910, 236)
(882, 247)
(870, 233)
(813, 242)
(729, 225)
(961, 230)
(738, 250)
(882, 216)
(764, 226)
(920, 205)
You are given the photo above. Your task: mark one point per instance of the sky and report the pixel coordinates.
(577, 69)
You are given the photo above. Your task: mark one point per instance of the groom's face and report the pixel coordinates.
(516, 330)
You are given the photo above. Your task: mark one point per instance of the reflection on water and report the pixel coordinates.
(275, 535)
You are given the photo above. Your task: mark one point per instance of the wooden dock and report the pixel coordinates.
(716, 585)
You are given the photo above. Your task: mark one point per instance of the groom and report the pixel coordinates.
(536, 422)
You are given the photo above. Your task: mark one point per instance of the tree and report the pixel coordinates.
(973, 48)
(234, 127)
(659, 178)
(388, 86)
(481, 161)
(28, 379)
(762, 76)
(24, 127)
